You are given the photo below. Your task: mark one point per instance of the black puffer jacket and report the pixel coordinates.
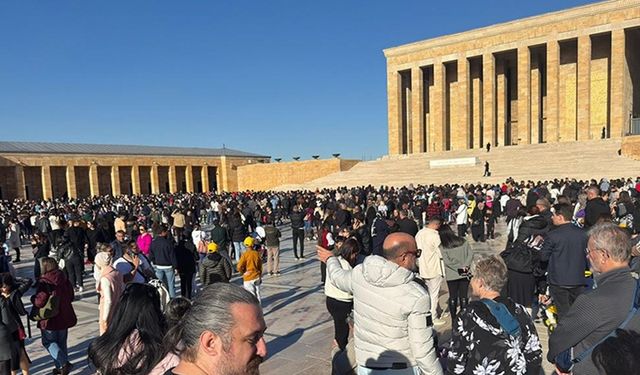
(214, 269)
(532, 226)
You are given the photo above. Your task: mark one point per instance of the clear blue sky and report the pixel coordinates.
(281, 78)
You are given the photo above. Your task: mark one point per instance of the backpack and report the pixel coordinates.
(50, 309)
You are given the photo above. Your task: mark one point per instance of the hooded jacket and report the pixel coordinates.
(214, 268)
(391, 313)
(55, 282)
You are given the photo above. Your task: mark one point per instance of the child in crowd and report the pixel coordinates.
(250, 266)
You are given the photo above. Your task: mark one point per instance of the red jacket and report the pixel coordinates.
(56, 282)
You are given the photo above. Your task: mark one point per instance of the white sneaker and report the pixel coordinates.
(80, 289)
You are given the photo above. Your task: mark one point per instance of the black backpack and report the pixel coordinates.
(521, 257)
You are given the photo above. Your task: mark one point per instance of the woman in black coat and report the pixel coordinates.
(522, 281)
(477, 222)
(187, 257)
(12, 290)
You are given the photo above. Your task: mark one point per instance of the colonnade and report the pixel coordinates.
(554, 89)
(54, 181)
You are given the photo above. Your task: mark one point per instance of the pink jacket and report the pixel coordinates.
(144, 243)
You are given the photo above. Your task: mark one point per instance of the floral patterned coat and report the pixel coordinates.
(479, 346)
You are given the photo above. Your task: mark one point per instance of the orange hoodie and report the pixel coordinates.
(250, 265)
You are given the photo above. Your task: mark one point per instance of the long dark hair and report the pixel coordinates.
(349, 248)
(448, 239)
(138, 309)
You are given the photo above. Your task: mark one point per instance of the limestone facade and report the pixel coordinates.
(266, 176)
(564, 76)
(44, 176)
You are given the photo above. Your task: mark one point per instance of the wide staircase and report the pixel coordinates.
(582, 160)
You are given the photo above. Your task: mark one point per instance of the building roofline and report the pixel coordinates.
(7, 147)
(503, 27)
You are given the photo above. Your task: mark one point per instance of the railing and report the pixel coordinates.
(635, 126)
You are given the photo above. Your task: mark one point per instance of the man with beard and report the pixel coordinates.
(222, 334)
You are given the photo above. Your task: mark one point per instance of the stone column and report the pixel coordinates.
(20, 184)
(524, 95)
(394, 107)
(584, 87)
(460, 131)
(619, 111)
(155, 179)
(476, 105)
(173, 182)
(72, 191)
(488, 97)
(223, 184)
(417, 109)
(436, 112)
(115, 180)
(135, 179)
(47, 191)
(188, 175)
(535, 98)
(551, 109)
(94, 185)
(204, 177)
(501, 102)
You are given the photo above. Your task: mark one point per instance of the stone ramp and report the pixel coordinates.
(583, 160)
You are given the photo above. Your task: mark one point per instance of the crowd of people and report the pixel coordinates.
(386, 253)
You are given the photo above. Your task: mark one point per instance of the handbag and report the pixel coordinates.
(50, 309)
(202, 246)
(518, 258)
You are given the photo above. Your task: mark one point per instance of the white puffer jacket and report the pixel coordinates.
(391, 311)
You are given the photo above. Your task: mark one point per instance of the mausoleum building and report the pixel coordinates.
(565, 76)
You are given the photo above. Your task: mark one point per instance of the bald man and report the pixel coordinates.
(393, 326)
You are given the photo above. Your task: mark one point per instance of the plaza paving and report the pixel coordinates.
(300, 331)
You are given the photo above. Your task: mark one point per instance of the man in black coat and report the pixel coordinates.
(564, 249)
(297, 227)
(406, 225)
(596, 208)
(163, 257)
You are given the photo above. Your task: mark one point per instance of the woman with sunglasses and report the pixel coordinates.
(144, 240)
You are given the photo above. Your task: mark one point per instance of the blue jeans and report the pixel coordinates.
(238, 248)
(168, 278)
(56, 344)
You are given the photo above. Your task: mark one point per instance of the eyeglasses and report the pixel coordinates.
(416, 253)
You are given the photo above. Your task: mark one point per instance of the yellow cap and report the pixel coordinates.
(212, 247)
(248, 242)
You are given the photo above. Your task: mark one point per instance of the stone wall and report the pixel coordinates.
(631, 148)
(267, 176)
